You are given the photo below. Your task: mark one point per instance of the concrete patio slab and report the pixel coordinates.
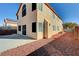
(6, 44)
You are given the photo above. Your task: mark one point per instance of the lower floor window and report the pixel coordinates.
(19, 28)
(40, 26)
(34, 27)
(54, 28)
(24, 29)
(58, 28)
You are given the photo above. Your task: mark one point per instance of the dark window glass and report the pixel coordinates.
(17, 17)
(33, 6)
(34, 27)
(24, 10)
(19, 28)
(24, 29)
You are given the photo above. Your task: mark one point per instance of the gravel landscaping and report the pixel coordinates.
(65, 45)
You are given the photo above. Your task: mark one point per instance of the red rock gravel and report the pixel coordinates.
(65, 45)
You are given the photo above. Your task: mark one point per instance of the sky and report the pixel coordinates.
(8, 10)
(69, 12)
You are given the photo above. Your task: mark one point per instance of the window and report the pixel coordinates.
(40, 25)
(54, 28)
(19, 28)
(17, 17)
(34, 27)
(33, 6)
(58, 28)
(24, 29)
(53, 16)
(24, 10)
(40, 6)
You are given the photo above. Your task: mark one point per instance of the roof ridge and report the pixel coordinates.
(10, 19)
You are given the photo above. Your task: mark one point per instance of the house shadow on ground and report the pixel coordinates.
(15, 36)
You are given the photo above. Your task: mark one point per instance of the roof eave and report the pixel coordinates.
(47, 4)
(52, 9)
(18, 9)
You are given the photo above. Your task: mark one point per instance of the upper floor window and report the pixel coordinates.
(33, 6)
(17, 17)
(53, 16)
(40, 6)
(24, 10)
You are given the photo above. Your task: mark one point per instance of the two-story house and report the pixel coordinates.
(38, 20)
(10, 24)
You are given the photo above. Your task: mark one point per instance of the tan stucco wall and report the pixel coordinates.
(38, 16)
(46, 14)
(27, 20)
